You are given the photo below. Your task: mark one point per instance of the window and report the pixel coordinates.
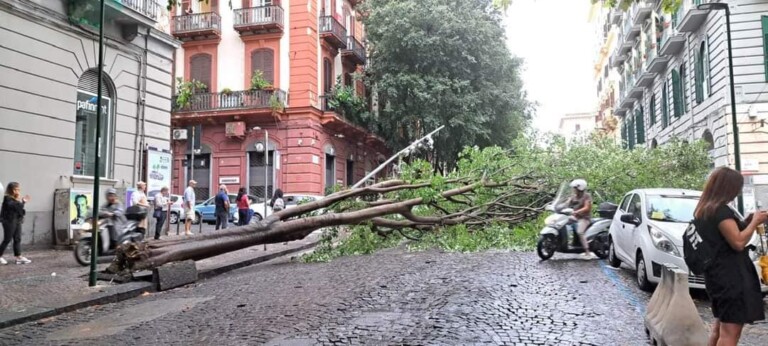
(625, 203)
(652, 109)
(327, 75)
(684, 88)
(263, 60)
(350, 172)
(624, 134)
(200, 69)
(85, 125)
(640, 125)
(702, 74)
(764, 20)
(664, 106)
(630, 131)
(677, 94)
(635, 207)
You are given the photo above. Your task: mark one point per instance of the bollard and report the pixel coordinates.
(671, 317)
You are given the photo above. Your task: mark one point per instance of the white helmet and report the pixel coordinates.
(579, 184)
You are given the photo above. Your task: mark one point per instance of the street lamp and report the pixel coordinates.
(97, 159)
(715, 6)
(266, 170)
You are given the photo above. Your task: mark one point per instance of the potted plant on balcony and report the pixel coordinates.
(185, 91)
(258, 82)
(276, 104)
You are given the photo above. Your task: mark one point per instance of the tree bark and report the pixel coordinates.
(293, 224)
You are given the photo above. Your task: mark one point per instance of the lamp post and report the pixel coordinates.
(736, 147)
(266, 170)
(97, 158)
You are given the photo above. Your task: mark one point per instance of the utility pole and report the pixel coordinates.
(97, 158)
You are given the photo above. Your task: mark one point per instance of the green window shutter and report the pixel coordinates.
(652, 109)
(640, 126)
(630, 132)
(764, 20)
(664, 107)
(684, 87)
(698, 64)
(677, 94)
(624, 134)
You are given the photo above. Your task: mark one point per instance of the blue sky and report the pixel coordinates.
(558, 45)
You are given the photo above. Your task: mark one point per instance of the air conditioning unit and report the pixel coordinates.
(179, 134)
(235, 129)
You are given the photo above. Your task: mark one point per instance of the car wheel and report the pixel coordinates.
(642, 274)
(613, 261)
(174, 218)
(600, 246)
(198, 219)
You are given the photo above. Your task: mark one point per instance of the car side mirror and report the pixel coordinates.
(630, 219)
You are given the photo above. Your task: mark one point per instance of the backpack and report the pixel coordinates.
(697, 253)
(278, 205)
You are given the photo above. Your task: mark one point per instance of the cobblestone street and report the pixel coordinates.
(384, 299)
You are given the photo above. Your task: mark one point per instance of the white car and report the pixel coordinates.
(647, 232)
(291, 200)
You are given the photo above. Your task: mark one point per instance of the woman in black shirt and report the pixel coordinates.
(730, 278)
(12, 216)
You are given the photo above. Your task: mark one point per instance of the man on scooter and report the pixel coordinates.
(581, 203)
(113, 212)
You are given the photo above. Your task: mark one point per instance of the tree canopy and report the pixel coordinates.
(669, 6)
(444, 62)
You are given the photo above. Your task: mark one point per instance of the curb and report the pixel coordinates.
(134, 289)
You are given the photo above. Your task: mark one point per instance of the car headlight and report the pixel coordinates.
(661, 242)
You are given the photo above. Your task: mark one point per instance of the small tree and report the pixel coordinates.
(186, 89)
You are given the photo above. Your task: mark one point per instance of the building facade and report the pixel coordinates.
(578, 125)
(675, 82)
(605, 23)
(266, 68)
(48, 88)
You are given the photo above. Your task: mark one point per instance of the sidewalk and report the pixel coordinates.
(55, 283)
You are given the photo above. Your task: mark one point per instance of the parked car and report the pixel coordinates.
(647, 232)
(177, 210)
(291, 200)
(206, 210)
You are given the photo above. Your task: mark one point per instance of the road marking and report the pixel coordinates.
(625, 291)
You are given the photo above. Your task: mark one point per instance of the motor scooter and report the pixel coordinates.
(554, 236)
(127, 233)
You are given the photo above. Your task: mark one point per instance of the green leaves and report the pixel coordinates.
(185, 90)
(668, 6)
(438, 62)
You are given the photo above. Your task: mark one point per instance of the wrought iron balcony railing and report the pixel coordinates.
(149, 8)
(332, 31)
(196, 23)
(243, 99)
(259, 17)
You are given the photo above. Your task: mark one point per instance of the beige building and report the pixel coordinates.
(578, 125)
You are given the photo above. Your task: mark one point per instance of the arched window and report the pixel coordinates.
(684, 88)
(200, 69)
(630, 131)
(263, 60)
(652, 109)
(707, 137)
(702, 73)
(85, 125)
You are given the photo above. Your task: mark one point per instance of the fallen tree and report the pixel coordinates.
(482, 192)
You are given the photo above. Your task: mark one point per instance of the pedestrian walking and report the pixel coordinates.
(162, 206)
(243, 207)
(277, 203)
(139, 197)
(729, 275)
(12, 217)
(189, 206)
(222, 208)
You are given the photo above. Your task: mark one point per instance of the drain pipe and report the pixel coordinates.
(141, 116)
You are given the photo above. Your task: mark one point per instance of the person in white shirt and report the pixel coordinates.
(189, 206)
(139, 197)
(162, 205)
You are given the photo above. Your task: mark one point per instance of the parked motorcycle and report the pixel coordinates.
(127, 233)
(554, 236)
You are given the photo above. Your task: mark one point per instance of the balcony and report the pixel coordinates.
(671, 42)
(641, 12)
(616, 16)
(259, 20)
(197, 26)
(355, 51)
(135, 11)
(235, 100)
(691, 18)
(333, 32)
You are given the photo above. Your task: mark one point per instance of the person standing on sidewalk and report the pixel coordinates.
(189, 207)
(162, 204)
(12, 216)
(139, 197)
(730, 276)
(222, 208)
(243, 207)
